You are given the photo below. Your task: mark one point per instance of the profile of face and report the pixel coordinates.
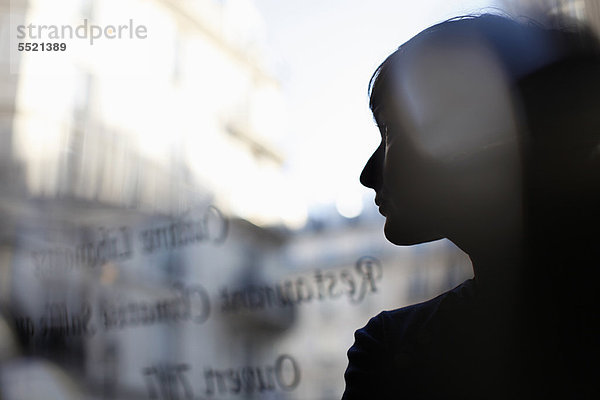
(448, 161)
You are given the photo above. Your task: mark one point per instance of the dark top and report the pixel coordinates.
(460, 346)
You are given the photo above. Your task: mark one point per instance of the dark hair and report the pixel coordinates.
(522, 47)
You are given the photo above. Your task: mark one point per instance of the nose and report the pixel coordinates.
(371, 175)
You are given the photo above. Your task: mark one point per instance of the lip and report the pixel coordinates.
(380, 203)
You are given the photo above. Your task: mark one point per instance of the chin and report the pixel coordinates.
(408, 234)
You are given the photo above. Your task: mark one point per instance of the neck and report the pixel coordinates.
(499, 272)
(498, 263)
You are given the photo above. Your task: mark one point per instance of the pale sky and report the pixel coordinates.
(325, 52)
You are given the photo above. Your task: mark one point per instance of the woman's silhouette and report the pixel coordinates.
(491, 138)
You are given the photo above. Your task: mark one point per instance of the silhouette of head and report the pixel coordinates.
(458, 108)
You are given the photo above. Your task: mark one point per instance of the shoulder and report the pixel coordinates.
(385, 345)
(403, 324)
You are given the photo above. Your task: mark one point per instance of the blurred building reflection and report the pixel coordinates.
(151, 246)
(581, 10)
(201, 109)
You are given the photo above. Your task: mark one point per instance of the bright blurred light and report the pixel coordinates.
(349, 205)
